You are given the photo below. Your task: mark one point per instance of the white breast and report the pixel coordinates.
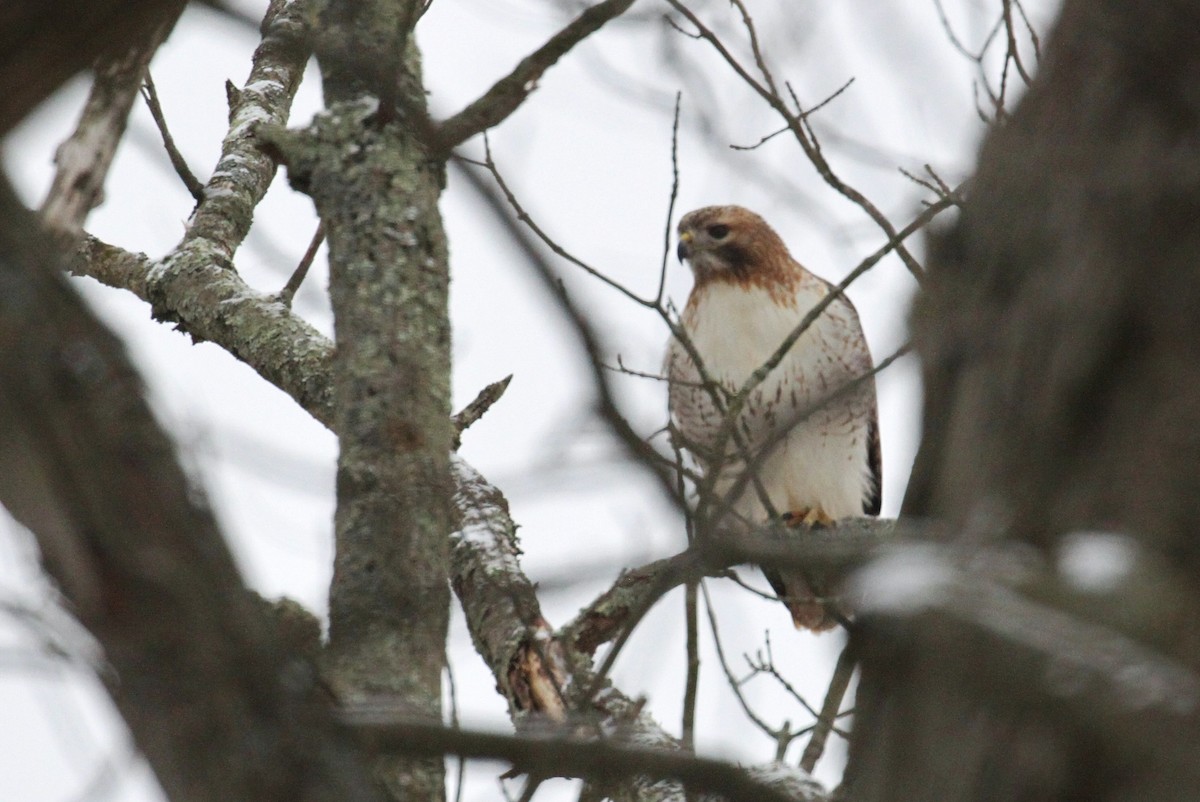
(820, 461)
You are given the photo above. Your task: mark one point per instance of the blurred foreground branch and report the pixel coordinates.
(218, 707)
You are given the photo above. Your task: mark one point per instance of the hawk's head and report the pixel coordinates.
(729, 243)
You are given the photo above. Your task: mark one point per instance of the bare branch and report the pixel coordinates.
(688, 728)
(194, 187)
(669, 228)
(1014, 52)
(301, 272)
(804, 136)
(478, 408)
(244, 170)
(507, 94)
(602, 761)
(84, 158)
(759, 58)
(211, 302)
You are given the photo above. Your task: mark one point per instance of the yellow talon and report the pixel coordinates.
(811, 517)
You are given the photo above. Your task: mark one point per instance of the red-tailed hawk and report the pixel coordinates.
(816, 461)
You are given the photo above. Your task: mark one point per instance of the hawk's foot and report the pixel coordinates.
(810, 517)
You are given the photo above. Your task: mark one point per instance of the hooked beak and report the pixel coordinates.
(684, 249)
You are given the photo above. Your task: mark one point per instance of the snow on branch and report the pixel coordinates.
(539, 672)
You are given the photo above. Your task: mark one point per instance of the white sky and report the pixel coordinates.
(589, 156)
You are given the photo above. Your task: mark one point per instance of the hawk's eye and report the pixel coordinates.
(718, 231)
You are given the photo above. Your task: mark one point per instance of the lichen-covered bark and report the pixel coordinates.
(377, 192)
(244, 171)
(212, 303)
(389, 604)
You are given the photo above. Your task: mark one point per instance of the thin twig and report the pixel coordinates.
(766, 665)
(804, 115)
(803, 136)
(1014, 52)
(461, 761)
(523, 216)
(953, 37)
(734, 683)
(732, 576)
(764, 140)
(1033, 36)
(668, 229)
(688, 730)
(194, 186)
(759, 59)
(1004, 22)
(621, 367)
(298, 275)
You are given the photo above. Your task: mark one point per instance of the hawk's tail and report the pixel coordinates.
(812, 615)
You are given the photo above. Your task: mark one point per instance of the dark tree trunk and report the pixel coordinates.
(1058, 334)
(195, 665)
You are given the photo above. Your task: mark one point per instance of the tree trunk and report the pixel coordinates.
(1057, 331)
(376, 189)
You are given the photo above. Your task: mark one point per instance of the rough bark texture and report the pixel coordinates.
(198, 672)
(210, 302)
(377, 193)
(1062, 379)
(245, 170)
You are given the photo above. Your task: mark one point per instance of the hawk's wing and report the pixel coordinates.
(874, 498)
(872, 501)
